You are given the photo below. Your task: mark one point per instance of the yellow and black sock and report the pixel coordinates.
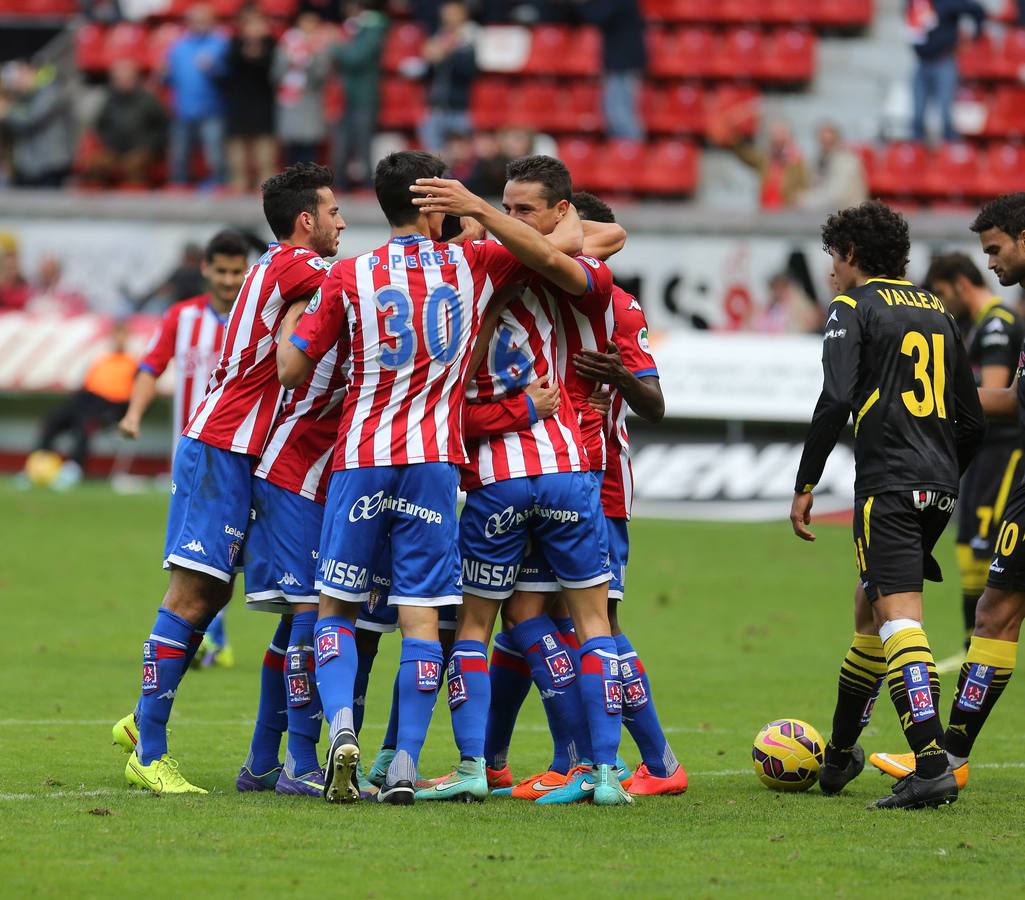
(974, 572)
(915, 691)
(984, 675)
(861, 675)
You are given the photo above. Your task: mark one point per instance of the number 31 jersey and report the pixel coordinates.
(892, 357)
(411, 309)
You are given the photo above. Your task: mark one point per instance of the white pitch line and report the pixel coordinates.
(110, 792)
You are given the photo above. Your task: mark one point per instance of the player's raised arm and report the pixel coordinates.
(444, 195)
(841, 349)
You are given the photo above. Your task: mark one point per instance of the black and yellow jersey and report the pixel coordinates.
(892, 356)
(995, 339)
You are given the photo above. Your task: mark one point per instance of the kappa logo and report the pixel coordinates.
(289, 580)
(167, 695)
(299, 251)
(195, 546)
(549, 694)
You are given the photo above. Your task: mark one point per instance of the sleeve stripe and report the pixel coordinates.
(641, 373)
(843, 298)
(302, 343)
(146, 367)
(587, 272)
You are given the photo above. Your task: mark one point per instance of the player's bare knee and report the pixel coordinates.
(522, 606)
(999, 614)
(420, 622)
(195, 596)
(476, 619)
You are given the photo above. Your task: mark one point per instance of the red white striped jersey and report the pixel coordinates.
(191, 333)
(631, 338)
(299, 447)
(244, 394)
(524, 347)
(586, 323)
(412, 309)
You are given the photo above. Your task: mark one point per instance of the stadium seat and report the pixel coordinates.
(582, 106)
(738, 55)
(1006, 117)
(899, 170)
(726, 97)
(978, 58)
(556, 50)
(789, 56)
(402, 103)
(788, 12)
(489, 100)
(671, 169)
(127, 41)
(1002, 170)
(843, 13)
(1012, 59)
(675, 110)
(951, 172)
(683, 53)
(536, 103)
(621, 167)
(405, 41)
(89, 48)
(582, 161)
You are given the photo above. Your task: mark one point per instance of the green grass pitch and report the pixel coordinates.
(738, 624)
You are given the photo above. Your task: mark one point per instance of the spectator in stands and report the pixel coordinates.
(624, 59)
(131, 128)
(48, 296)
(14, 287)
(357, 57)
(934, 29)
(488, 179)
(838, 177)
(789, 310)
(37, 122)
(100, 404)
(249, 95)
(451, 69)
(195, 64)
(300, 71)
(780, 165)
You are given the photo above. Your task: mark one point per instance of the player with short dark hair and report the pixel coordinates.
(993, 649)
(893, 357)
(993, 342)
(211, 477)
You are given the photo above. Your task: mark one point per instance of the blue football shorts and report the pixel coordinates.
(209, 512)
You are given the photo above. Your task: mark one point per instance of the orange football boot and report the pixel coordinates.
(538, 785)
(645, 784)
(499, 778)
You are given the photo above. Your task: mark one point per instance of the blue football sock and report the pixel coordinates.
(551, 667)
(335, 647)
(195, 641)
(639, 714)
(272, 711)
(419, 676)
(304, 710)
(510, 684)
(469, 696)
(602, 695)
(163, 664)
(391, 733)
(217, 631)
(364, 664)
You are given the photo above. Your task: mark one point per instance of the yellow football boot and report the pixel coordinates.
(161, 776)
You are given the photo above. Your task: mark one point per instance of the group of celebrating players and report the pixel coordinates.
(893, 357)
(349, 404)
(351, 401)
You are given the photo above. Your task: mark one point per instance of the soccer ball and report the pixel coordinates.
(42, 467)
(787, 754)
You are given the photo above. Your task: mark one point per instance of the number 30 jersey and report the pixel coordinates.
(893, 357)
(409, 309)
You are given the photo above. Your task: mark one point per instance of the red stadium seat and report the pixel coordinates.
(900, 169)
(402, 103)
(726, 98)
(583, 53)
(788, 12)
(89, 48)
(548, 45)
(684, 53)
(676, 110)
(489, 101)
(979, 58)
(1002, 170)
(1012, 60)
(868, 159)
(789, 56)
(582, 161)
(621, 167)
(671, 168)
(404, 41)
(951, 172)
(160, 41)
(738, 55)
(127, 41)
(843, 13)
(582, 107)
(537, 104)
(1006, 117)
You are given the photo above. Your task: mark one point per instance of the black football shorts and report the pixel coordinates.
(1007, 571)
(985, 490)
(894, 536)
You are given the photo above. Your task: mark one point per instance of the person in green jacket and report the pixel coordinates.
(358, 58)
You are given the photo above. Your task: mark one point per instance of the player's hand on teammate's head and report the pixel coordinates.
(800, 515)
(445, 195)
(472, 229)
(544, 396)
(601, 402)
(605, 367)
(129, 427)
